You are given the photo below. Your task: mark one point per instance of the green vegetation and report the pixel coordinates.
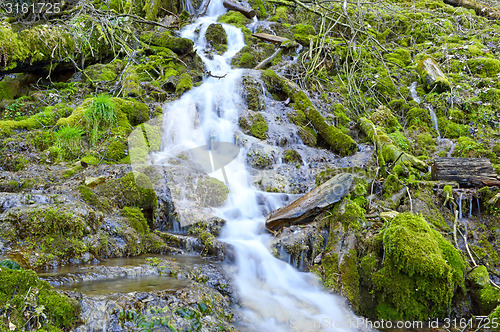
(32, 303)
(69, 141)
(421, 271)
(99, 117)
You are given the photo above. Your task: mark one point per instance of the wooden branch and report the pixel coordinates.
(480, 9)
(267, 60)
(204, 9)
(270, 38)
(248, 12)
(215, 76)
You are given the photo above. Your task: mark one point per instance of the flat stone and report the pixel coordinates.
(270, 38)
(312, 203)
(92, 182)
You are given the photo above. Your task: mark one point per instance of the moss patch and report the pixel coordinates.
(421, 271)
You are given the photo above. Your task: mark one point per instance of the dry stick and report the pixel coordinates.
(468, 249)
(267, 60)
(204, 9)
(455, 229)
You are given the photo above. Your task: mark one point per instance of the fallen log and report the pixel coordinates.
(270, 38)
(480, 9)
(468, 172)
(311, 203)
(387, 151)
(248, 12)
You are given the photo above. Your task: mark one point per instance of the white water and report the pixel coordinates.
(273, 295)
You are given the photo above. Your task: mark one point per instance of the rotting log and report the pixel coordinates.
(387, 151)
(468, 172)
(480, 9)
(247, 11)
(270, 38)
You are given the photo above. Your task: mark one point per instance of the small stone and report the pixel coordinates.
(92, 182)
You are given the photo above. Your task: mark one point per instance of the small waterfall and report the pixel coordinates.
(414, 94)
(272, 294)
(416, 98)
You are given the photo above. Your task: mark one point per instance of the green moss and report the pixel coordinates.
(211, 192)
(350, 215)
(216, 37)
(131, 83)
(234, 18)
(292, 156)
(280, 15)
(91, 198)
(392, 185)
(259, 126)
(165, 39)
(53, 231)
(383, 117)
(185, 83)
(350, 278)
(137, 112)
(400, 56)
(45, 118)
(495, 317)
(136, 219)
(21, 290)
(259, 7)
(302, 33)
(421, 271)
(104, 72)
(336, 139)
(484, 295)
(90, 160)
(484, 67)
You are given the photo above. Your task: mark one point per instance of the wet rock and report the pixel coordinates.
(432, 75)
(299, 246)
(216, 37)
(312, 203)
(261, 156)
(94, 182)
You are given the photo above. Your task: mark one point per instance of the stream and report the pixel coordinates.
(273, 295)
(270, 294)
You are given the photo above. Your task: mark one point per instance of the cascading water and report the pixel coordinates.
(273, 295)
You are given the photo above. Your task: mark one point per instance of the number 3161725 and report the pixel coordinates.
(34, 7)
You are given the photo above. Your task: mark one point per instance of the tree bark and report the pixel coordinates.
(479, 8)
(248, 12)
(468, 172)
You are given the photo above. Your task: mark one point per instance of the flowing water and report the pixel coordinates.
(273, 295)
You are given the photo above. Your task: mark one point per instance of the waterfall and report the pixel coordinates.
(273, 295)
(416, 98)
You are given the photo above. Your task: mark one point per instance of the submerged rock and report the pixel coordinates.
(311, 203)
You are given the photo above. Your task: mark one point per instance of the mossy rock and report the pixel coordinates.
(216, 37)
(292, 156)
(211, 192)
(383, 117)
(136, 219)
(104, 72)
(258, 126)
(185, 83)
(137, 112)
(234, 18)
(484, 296)
(421, 272)
(165, 39)
(22, 289)
(484, 67)
(135, 189)
(302, 33)
(52, 232)
(247, 57)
